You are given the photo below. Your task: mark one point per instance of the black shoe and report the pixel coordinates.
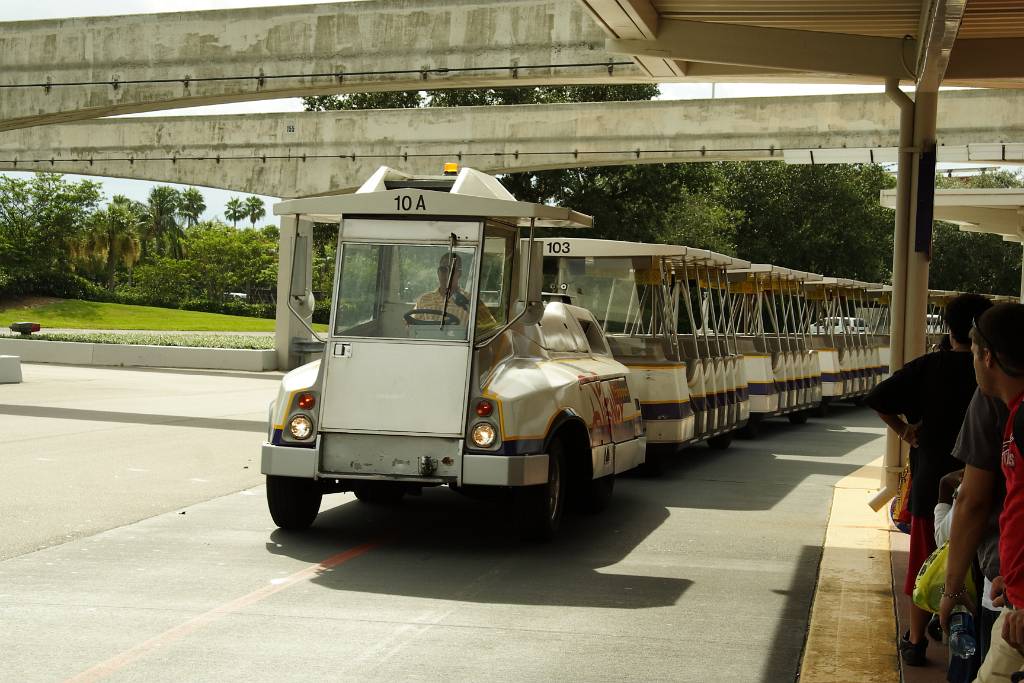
(934, 629)
(912, 654)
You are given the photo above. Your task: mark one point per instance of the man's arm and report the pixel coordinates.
(970, 521)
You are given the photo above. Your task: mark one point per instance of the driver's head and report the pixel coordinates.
(446, 263)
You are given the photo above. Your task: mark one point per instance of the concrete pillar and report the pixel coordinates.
(896, 453)
(294, 285)
(1022, 274)
(925, 120)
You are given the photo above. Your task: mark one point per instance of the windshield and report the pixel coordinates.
(411, 291)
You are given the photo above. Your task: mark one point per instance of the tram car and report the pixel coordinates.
(666, 314)
(442, 365)
(849, 357)
(771, 314)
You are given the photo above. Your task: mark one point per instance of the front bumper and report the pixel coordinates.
(477, 469)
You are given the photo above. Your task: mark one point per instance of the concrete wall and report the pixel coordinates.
(79, 353)
(336, 38)
(292, 155)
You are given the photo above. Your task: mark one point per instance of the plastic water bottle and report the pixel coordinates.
(961, 633)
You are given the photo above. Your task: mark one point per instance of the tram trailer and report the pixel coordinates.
(664, 310)
(783, 370)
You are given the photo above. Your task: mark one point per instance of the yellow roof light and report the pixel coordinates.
(451, 168)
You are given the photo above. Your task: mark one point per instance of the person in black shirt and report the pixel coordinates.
(924, 402)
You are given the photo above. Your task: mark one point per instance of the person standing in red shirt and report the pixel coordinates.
(997, 343)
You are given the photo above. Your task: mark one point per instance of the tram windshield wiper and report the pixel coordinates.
(451, 272)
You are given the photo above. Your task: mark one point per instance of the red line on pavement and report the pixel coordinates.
(117, 662)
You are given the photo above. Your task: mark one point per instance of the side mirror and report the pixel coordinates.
(534, 263)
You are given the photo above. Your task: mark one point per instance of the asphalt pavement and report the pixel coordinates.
(137, 547)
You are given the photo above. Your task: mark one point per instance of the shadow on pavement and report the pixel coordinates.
(135, 418)
(442, 546)
(445, 546)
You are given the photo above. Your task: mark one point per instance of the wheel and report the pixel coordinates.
(798, 418)
(720, 442)
(539, 508)
(379, 493)
(598, 494)
(822, 409)
(294, 503)
(654, 462)
(751, 429)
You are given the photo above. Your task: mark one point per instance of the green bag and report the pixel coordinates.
(931, 578)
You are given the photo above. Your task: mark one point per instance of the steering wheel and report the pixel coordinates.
(449, 318)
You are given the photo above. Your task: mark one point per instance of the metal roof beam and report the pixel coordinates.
(774, 48)
(986, 58)
(940, 24)
(633, 20)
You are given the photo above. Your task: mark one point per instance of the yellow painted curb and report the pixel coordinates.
(851, 633)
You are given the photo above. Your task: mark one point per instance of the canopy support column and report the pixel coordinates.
(294, 285)
(915, 183)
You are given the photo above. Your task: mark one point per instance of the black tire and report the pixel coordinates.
(798, 418)
(751, 429)
(379, 493)
(539, 509)
(822, 409)
(720, 442)
(599, 494)
(294, 503)
(654, 462)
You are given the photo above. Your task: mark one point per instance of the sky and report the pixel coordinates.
(215, 199)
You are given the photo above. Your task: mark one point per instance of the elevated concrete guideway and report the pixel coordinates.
(293, 155)
(95, 66)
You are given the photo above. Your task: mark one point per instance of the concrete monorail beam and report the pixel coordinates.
(61, 70)
(303, 154)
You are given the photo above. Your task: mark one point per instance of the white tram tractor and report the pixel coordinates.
(442, 366)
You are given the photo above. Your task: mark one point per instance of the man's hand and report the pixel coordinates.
(946, 606)
(909, 434)
(948, 485)
(998, 592)
(1013, 628)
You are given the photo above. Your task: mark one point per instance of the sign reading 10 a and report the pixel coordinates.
(406, 203)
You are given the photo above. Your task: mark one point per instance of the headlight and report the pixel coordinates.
(301, 427)
(483, 435)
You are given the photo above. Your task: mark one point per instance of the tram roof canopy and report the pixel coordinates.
(993, 211)
(468, 194)
(925, 42)
(758, 269)
(596, 248)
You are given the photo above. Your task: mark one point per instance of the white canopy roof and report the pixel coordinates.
(993, 211)
(596, 248)
(471, 194)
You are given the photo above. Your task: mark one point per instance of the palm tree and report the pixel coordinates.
(191, 206)
(161, 223)
(254, 209)
(114, 235)
(235, 210)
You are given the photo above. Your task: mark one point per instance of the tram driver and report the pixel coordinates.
(430, 305)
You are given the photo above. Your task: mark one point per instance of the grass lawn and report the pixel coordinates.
(94, 315)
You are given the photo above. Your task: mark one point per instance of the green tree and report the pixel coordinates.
(254, 209)
(162, 233)
(114, 236)
(975, 262)
(191, 206)
(42, 220)
(822, 218)
(234, 210)
(364, 100)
